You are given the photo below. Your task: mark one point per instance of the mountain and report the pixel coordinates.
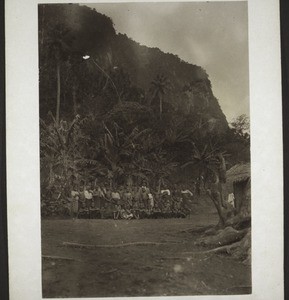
(119, 111)
(85, 31)
(190, 85)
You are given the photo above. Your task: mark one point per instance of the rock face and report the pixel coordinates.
(190, 86)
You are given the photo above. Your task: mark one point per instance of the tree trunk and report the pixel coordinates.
(242, 193)
(74, 100)
(217, 192)
(234, 236)
(58, 92)
(159, 185)
(222, 237)
(51, 175)
(216, 197)
(161, 107)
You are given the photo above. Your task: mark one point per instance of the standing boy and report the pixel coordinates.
(88, 195)
(74, 202)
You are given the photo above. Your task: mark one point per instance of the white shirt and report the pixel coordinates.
(187, 192)
(115, 195)
(166, 192)
(87, 195)
(74, 193)
(231, 199)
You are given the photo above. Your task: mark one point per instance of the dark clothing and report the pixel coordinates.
(94, 213)
(83, 213)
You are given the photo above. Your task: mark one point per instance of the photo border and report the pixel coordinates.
(23, 183)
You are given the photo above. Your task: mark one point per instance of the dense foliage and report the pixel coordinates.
(127, 112)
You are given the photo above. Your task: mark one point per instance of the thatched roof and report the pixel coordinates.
(239, 172)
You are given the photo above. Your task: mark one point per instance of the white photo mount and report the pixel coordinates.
(23, 183)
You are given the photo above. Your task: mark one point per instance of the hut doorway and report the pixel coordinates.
(240, 191)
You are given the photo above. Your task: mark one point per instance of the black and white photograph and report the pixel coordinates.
(144, 149)
(144, 129)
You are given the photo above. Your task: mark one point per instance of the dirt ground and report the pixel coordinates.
(173, 267)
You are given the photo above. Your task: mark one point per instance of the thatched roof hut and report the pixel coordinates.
(239, 183)
(239, 173)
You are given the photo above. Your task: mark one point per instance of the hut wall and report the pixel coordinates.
(242, 193)
(238, 194)
(246, 206)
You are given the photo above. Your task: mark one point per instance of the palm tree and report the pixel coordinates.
(160, 86)
(61, 154)
(203, 158)
(211, 164)
(58, 44)
(120, 150)
(158, 166)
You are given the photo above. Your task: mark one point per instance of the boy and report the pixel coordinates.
(143, 195)
(94, 212)
(142, 213)
(74, 202)
(126, 214)
(116, 211)
(83, 212)
(135, 209)
(102, 195)
(151, 202)
(115, 197)
(156, 212)
(187, 203)
(127, 198)
(88, 195)
(107, 211)
(97, 194)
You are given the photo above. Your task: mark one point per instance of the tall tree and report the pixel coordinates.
(241, 126)
(58, 44)
(160, 86)
(211, 165)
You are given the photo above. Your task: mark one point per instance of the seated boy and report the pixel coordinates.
(97, 195)
(142, 212)
(167, 209)
(94, 212)
(107, 212)
(83, 212)
(126, 214)
(135, 209)
(116, 211)
(102, 212)
(156, 212)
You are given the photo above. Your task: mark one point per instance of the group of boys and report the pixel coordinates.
(129, 202)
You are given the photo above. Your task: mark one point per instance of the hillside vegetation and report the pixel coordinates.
(122, 112)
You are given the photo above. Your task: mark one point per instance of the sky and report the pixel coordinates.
(213, 35)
